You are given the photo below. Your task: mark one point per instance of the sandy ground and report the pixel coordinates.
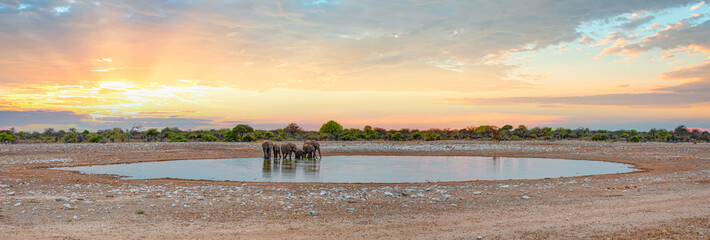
(670, 199)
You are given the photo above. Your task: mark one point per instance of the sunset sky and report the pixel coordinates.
(632, 64)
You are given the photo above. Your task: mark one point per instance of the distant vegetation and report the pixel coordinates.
(334, 131)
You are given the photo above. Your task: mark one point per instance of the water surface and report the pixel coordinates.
(360, 169)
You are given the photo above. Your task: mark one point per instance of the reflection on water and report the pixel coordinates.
(387, 169)
(287, 168)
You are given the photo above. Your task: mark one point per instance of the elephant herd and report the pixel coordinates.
(285, 150)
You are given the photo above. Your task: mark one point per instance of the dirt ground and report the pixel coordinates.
(670, 199)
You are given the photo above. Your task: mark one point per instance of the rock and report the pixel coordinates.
(504, 186)
(701, 233)
(18, 204)
(11, 194)
(61, 199)
(389, 194)
(352, 201)
(587, 179)
(109, 195)
(454, 205)
(350, 210)
(479, 237)
(66, 206)
(705, 171)
(526, 197)
(477, 193)
(312, 213)
(75, 217)
(4, 186)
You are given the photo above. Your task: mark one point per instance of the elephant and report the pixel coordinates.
(267, 146)
(277, 151)
(309, 151)
(287, 149)
(316, 145)
(298, 154)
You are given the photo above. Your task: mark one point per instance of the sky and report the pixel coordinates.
(604, 64)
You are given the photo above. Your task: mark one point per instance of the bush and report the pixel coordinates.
(515, 138)
(347, 137)
(248, 138)
(362, 136)
(71, 138)
(278, 139)
(268, 135)
(323, 136)
(432, 137)
(635, 139)
(140, 211)
(600, 137)
(398, 136)
(97, 138)
(417, 135)
(6, 137)
(178, 139)
(209, 138)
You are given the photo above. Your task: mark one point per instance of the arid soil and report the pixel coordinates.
(670, 199)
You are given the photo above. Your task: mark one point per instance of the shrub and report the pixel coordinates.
(323, 136)
(6, 137)
(209, 138)
(362, 136)
(248, 138)
(398, 136)
(268, 135)
(533, 136)
(417, 135)
(600, 137)
(347, 137)
(278, 139)
(514, 138)
(140, 211)
(178, 139)
(432, 137)
(70, 138)
(635, 139)
(97, 138)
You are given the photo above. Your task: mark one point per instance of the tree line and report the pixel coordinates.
(332, 130)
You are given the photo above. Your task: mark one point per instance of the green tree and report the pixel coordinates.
(152, 134)
(268, 135)
(242, 129)
(248, 138)
(292, 129)
(332, 127)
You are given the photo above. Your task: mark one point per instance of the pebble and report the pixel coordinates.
(504, 186)
(454, 205)
(61, 199)
(312, 213)
(526, 197)
(11, 193)
(479, 237)
(705, 171)
(701, 233)
(18, 204)
(350, 210)
(476, 193)
(67, 206)
(4, 186)
(389, 194)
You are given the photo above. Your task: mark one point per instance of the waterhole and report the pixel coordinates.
(360, 169)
